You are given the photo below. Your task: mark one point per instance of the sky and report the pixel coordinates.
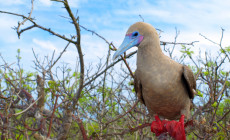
(110, 19)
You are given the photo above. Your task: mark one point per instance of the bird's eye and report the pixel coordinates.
(135, 34)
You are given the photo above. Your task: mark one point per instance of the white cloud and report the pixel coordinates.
(190, 17)
(72, 3)
(46, 2)
(76, 3)
(7, 34)
(11, 2)
(93, 47)
(193, 15)
(45, 45)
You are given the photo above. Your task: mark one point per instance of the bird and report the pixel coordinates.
(163, 85)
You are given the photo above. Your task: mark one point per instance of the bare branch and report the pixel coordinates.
(31, 105)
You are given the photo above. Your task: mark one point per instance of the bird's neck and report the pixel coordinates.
(149, 53)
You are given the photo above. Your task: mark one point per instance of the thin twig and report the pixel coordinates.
(124, 113)
(16, 114)
(131, 130)
(22, 23)
(197, 75)
(38, 26)
(142, 18)
(109, 66)
(219, 94)
(224, 116)
(51, 120)
(59, 55)
(217, 43)
(110, 44)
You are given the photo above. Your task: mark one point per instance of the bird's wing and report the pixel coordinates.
(138, 88)
(190, 81)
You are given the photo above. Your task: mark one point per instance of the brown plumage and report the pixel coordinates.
(163, 85)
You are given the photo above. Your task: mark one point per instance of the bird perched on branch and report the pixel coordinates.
(163, 85)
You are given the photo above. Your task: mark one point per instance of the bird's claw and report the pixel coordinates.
(157, 126)
(174, 128)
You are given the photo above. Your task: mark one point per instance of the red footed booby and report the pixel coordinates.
(163, 85)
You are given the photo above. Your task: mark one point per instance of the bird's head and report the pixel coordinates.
(135, 35)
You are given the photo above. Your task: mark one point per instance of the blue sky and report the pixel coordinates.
(111, 19)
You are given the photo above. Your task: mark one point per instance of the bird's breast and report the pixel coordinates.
(162, 91)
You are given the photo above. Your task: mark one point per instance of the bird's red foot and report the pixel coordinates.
(157, 126)
(174, 128)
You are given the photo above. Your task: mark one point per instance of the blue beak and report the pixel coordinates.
(128, 43)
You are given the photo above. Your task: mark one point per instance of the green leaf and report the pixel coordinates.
(199, 93)
(214, 104)
(183, 46)
(227, 83)
(206, 73)
(222, 50)
(133, 90)
(18, 50)
(111, 48)
(131, 83)
(52, 84)
(72, 94)
(223, 73)
(227, 49)
(30, 74)
(209, 64)
(227, 101)
(186, 50)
